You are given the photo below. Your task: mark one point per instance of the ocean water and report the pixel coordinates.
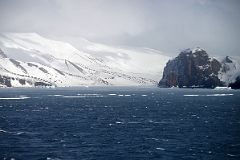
(119, 123)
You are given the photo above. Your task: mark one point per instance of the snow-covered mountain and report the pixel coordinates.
(133, 60)
(28, 59)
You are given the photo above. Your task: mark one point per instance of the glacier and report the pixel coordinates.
(30, 60)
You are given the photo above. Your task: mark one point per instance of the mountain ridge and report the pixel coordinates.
(32, 58)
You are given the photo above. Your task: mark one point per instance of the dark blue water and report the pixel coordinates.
(119, 123)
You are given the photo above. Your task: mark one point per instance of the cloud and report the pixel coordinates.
(99, 18)
(166, 25)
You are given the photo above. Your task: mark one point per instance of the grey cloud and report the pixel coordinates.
(166, 25)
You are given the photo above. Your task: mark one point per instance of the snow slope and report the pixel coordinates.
(143, 61)
(230, 69)
(32, 58)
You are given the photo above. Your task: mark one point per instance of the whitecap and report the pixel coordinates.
(120, 95)
(81, 96)
(155, 139)
(159, 148)
(88, 94)
(55, 95)
(71, 96)
(127, 95)
(35, 110)
(112, 94)
(133, 122)
(144, 95)
(19, 133)
(151, 121)
(208, 95)
(161, 122)
(191, 95)
(220, 94)
(232, 155)
(48, 158)
(118, 122)
(234, 145)
(13, 98)
(78, 95)
(1, 130)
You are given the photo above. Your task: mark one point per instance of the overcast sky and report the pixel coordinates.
(165, 25)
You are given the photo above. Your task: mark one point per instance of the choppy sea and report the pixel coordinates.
(115, 123)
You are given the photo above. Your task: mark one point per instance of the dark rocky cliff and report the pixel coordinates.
(191, 68)
(236, 84)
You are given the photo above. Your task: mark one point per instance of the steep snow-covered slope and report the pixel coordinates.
(142, 61)
(230, 69)
(30, 59)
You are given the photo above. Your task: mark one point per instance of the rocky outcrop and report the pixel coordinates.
(5, 81)
(192, 68)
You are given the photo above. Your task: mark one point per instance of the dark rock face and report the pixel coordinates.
(4, 80)
(17, 64)
(41, 84)
(2, 54)
(43, 70)
(22, 81)
(236, 84)
(191, 68)
(227, 60)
